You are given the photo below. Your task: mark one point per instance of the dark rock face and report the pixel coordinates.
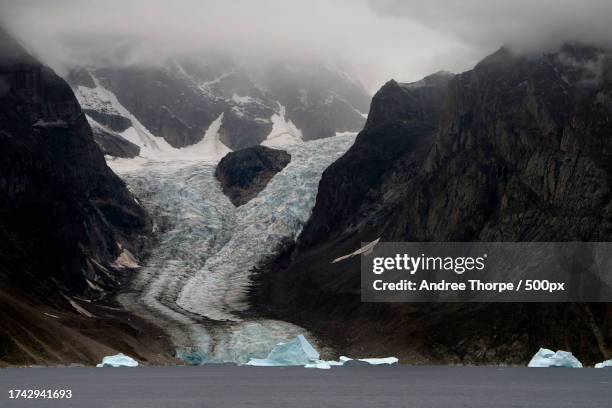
(244, 173)
(116, 123)
(63, 213)
(319, 101)
(179, 100)
(162, 102)
(243, 126)
(522, 153)
(113, 144)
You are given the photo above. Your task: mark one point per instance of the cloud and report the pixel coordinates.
(526, 25)
(345, 32)
(376, 40)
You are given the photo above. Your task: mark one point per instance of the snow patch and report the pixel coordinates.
(118, 360)
(604, 364)
(210, 147)
(283, 132)
(103, 100)
(548, 358)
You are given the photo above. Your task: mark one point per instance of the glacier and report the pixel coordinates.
(604, 364)
(548, 358)
(194, 283)
(118, 360)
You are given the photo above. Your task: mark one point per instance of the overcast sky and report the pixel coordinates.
(376, 39)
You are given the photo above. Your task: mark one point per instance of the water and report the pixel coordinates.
(194, 283)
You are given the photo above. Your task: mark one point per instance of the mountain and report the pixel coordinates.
(162, 107)
(69, 228)
(517, 149)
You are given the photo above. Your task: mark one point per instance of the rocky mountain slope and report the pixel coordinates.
(244, 173)
(68, 225)
(177, 102)
(517, 150)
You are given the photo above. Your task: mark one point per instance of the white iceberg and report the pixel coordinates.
(297, 352)
(548, 358)
(320, 364)
(380, 361)
(343, 360)
(604, 364)
(366, 361)
(118, 360)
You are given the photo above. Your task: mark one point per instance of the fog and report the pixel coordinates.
(375, 40)
(525, 25)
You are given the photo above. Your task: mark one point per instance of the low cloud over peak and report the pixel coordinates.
(375, 40)
(525, 25)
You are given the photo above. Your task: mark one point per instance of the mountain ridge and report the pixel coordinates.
(67, 224)
(177, 101)
(520, 154)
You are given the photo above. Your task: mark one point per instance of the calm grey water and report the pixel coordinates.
(233, 386)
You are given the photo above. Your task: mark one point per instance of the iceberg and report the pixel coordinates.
(346, 361)
(320, 364)
(297, 352)
(548, 358)
(381, 361)
(118, 360)
(350, 362)
(604, 364)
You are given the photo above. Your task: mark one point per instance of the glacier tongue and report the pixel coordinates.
(194, 282)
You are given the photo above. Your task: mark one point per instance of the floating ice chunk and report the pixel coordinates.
(292, 353)
(118, 360)
(380, 361)
(264, 362)
(347, 361)
(299, 352)
(604, 364)
(548, 358)
(298, 349)
(321, 364)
